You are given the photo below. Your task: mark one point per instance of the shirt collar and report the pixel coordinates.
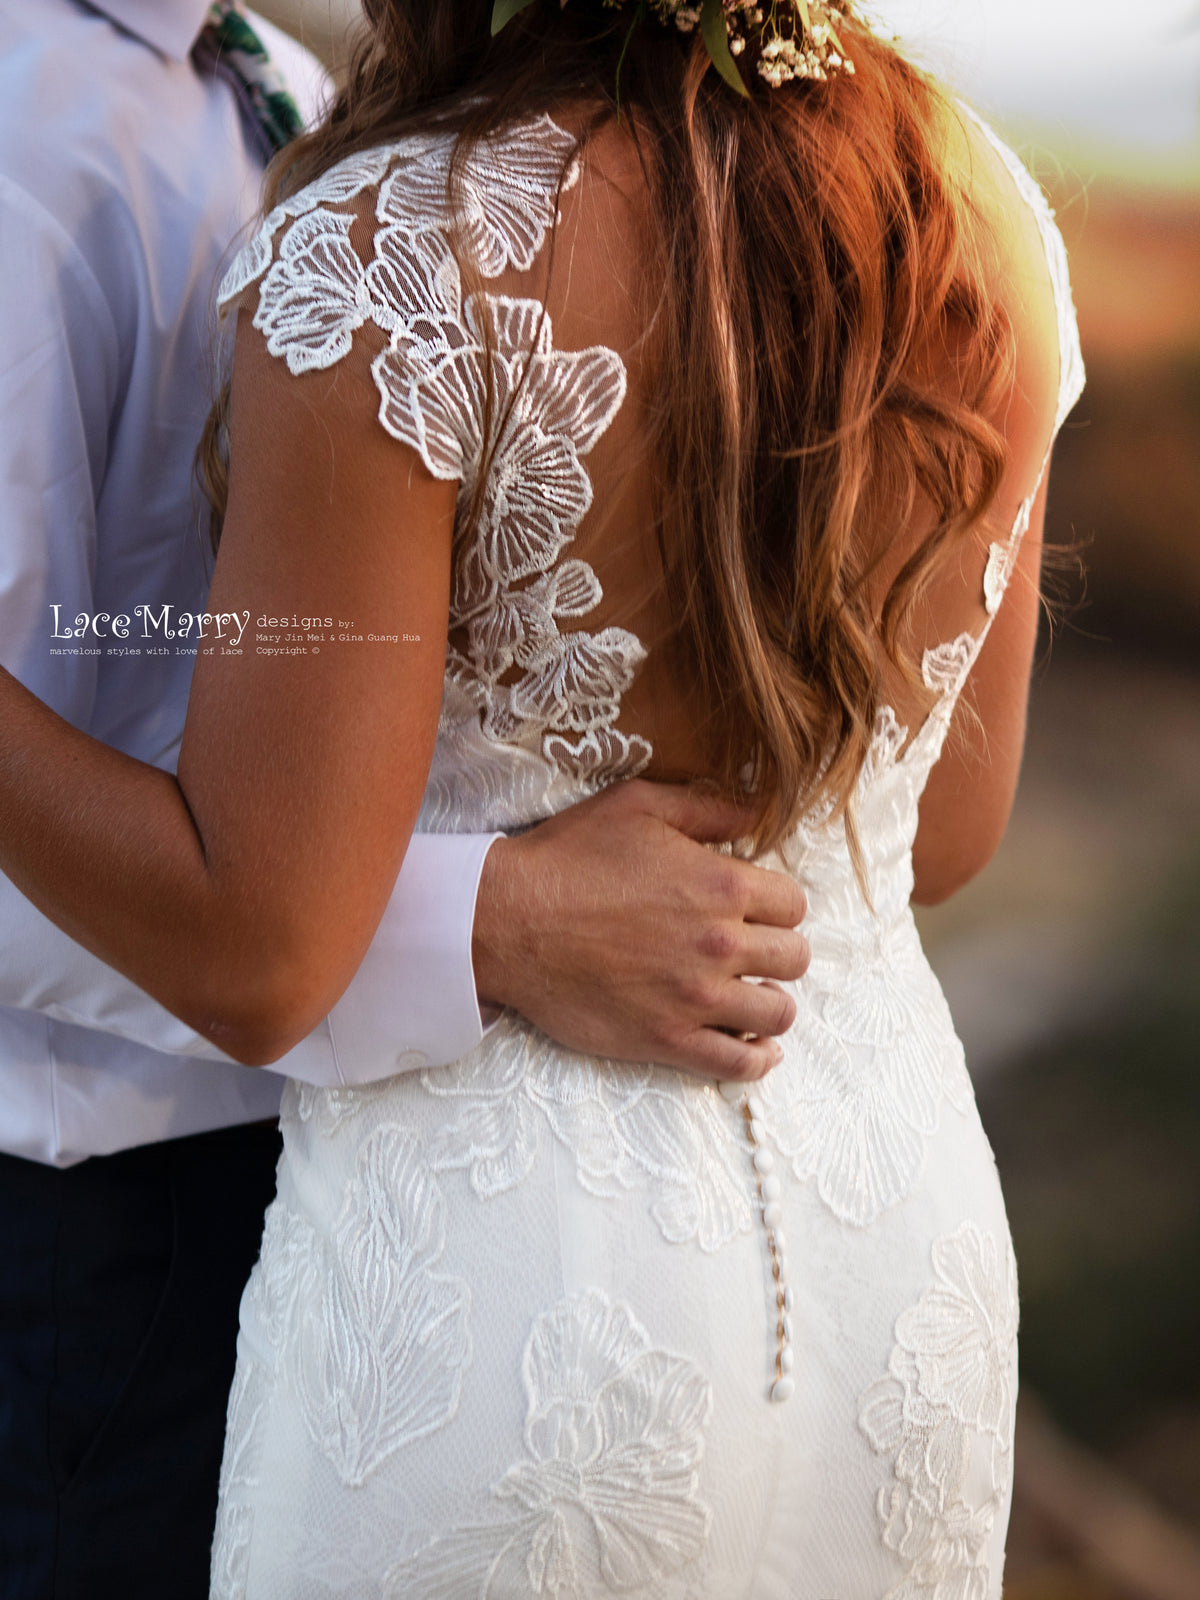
(168, 26)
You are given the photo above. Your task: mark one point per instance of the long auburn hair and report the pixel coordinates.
(815, 261)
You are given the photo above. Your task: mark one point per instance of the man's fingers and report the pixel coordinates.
(714, 1054)
(772, 897)
(759, 1008)
(708, 819)
(768, 895)
(774, 953)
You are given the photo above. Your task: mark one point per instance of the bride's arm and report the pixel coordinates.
(243, 893)
(969, 796)
(967, 801)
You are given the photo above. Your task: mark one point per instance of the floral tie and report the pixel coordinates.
(229, 45)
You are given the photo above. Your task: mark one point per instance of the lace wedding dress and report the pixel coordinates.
(540, 1324)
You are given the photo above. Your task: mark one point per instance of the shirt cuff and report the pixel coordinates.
(412, 1003)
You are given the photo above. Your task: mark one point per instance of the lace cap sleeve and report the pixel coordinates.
(342, 183)
(316, 290)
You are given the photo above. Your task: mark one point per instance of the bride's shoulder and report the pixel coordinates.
(348, 185)
(1023, 257)
(500, 198)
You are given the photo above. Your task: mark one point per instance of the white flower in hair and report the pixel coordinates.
(792, 39)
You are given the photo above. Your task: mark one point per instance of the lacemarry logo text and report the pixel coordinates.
(165, 622)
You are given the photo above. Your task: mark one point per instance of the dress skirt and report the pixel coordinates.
(519, 1327)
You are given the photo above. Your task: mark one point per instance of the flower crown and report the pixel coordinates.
(793, 38)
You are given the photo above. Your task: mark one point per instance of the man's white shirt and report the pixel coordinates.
(125, 175)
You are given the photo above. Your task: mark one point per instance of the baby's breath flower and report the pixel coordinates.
(794, 38)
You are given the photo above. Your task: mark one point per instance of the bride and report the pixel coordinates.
(642, 390)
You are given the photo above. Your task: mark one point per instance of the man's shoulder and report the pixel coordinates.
(134, 155)
(67, 105)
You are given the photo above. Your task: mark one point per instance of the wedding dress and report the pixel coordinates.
(540, 1324)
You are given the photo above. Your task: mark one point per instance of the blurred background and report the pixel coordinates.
(1072, 965)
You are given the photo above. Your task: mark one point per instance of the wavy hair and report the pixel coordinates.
(817, 271)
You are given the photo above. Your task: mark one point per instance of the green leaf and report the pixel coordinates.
(716, 39)
(505, 10)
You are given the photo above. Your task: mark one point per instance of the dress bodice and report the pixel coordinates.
(538, 708)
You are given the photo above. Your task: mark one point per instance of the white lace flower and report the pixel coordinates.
(474, 782)
(415, 294)
(315, 296)
(536, 494)
(944, 1415)
(519, 624)
(867, 1068)
(944, 667)
(505, 204)
(432, 395)
(496, 1134)
(888, 739)
(340, 184)
(287, 1273)
(325, 1109)
(245, 1418)
(574, 681)
(1002, 558)
(608, 1492)
(253, 259)
(598, 757)
(963, 1331)
(839, 1126)
(624, 1126)
(380, 1356)
(619, 1426)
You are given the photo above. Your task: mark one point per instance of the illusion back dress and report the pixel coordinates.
(541, 1324)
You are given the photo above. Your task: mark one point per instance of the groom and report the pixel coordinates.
(138, 1160)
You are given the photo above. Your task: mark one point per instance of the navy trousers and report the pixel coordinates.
(119, 1287)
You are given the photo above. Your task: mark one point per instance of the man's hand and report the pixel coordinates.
(615, 930)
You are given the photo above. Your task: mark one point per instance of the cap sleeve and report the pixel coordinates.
(318, 286)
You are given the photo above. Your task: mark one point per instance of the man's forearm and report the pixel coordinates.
(411, 1003)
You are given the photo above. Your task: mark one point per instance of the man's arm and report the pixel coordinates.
(613, 927)
(608, 927)
(60, 378)
(412, 1001)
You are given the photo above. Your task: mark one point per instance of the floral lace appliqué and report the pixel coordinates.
(534, 693)
(866, 1070)
(944, 1414)
(381, 1356)
(245, 1417)
(626, 1127)
(606, 1495)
